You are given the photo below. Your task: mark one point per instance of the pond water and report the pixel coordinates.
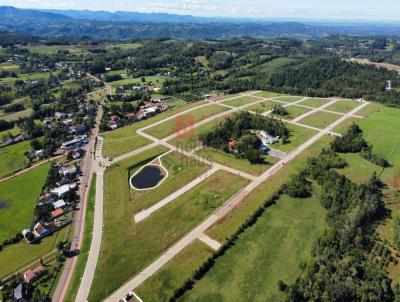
(3, 204)
(147, 178)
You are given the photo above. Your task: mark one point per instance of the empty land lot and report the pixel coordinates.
(128, 247)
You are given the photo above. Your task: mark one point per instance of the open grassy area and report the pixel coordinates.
(192, 140)
(181, 169)
(263, 106)
(244, 100)
(161, 286)
(128, 247)
(85, 247)
(126, 139)
(170, 127)
(314, 102)
(227, 226)
(18, 196)
(267, 94)
(298, 136)
(124, 46)
(12, 157)
(343, 126)
(368, 110)
(269, 251)
(232, 161)
(275, 64)
(16, 115)
(320, 119)
(357, 164)
(53, 49)
(343, 106)
(288, 99)
(293, 112)
(17, 256)
(132, 81)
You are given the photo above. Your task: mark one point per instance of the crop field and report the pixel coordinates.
(53, 49)
(128, 247)
(343, 106)
(269, 251)
(161, 286)
(18, 196)
(314, 102)
(12, 157)
(244, 100)
(126, 139)
(167, 128)
(298, 136)
(232, 161)
(320, 119)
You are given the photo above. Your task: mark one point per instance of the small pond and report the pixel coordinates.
(147, 178)
(3, 204)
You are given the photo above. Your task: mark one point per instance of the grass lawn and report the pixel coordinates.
(126, 139)
(192, 140)
(181, 169)
(244, 100)
(320, 119)
(85, 247)
(288, 99)
(368, 110)
(275, 64)
(16, 115)
(267, 94)
(17, 256)
(227, 226)
(128, 247)
(124, 46)
(343, 126)
(293, 112)
(343, 106)
(188, 119)
(232, 161)
(263, 106)
(12, 157)
(19, 195)
(271, 250)
(357, 164)
(314, 102)
(162, 285)
(381, 130)
(131, 81)
(298, 136)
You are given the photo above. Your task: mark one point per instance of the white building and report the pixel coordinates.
(60, 191)
(59, 204)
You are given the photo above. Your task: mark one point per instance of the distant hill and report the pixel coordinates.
(130, 25)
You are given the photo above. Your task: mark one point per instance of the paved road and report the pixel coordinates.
(87, 167)
(218, 214)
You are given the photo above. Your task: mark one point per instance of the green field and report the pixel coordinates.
(343, 106)
(314, 102)
(85, 247)
(320, 119)
(161, 286)
(17, 256)
(16, 115)
(232, 161)
(124, 46)
(12, 157)
(244, 100)
(293, 112)
(263, 106)
(19, 195)
(192, 140)
(132, 81)
(126, 139)
(344, 125)
(267, 94)
(288, 99)
(226, 227)
(188, 119)
(275, 64)
(271, 250)
(53, 49)
(181, 169)
(128, 247)
(298, 136)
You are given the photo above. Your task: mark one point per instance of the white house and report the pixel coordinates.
(60, 191)
(59, 204)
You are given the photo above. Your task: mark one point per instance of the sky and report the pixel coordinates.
(307, 9)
